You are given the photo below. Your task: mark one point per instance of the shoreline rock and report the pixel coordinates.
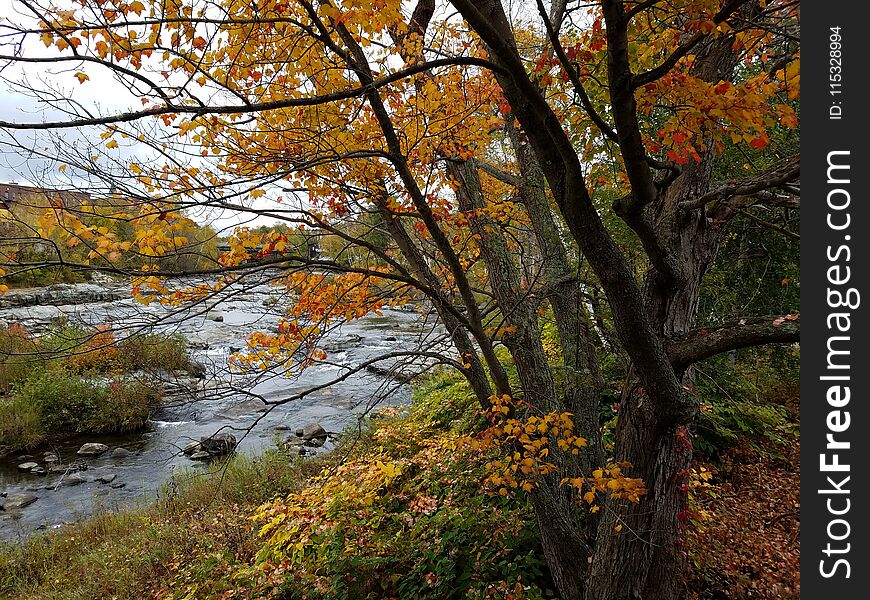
(63, 294)
(92, 449)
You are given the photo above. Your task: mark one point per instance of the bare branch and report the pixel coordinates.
(696, 345)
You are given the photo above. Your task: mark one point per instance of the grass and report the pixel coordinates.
(202, 542)
(74, 380)
(125, 554)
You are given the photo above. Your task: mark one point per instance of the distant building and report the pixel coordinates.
(15, 197)
(22, 205)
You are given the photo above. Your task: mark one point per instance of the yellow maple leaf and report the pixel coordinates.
(82, 77)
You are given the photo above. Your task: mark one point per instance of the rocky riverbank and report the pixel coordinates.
(251, 407)
(64, 294)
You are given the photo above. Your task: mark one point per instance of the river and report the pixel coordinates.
(201, 407)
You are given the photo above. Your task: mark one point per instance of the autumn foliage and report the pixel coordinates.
(552, 184)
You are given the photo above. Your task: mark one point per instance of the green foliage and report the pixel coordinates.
(744, 399)
(74, 380)
(447, 401)
(153, 352)
(16, 357)
(727, 423)
(59, 402)
(66, 401)
(20, 425)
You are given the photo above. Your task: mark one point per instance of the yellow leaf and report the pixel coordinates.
(82, 77)
(112, 144)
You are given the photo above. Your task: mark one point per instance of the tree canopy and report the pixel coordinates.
(554, 180)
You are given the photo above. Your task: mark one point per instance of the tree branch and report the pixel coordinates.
(763, 180)
(174, 109)
(696, 345)
(684, 48)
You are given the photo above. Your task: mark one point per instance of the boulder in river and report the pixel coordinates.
(312, 434)
(74, 479)
(106, 478)
(340, 344)
(92, 449)
(70, 468)
(120, 453)
(219, 443)
(200, 455)
(16, 501)
(27, 466)
(192, 448)
(295, 445)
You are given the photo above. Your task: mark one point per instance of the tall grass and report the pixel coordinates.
(74, 380)
(125, 554)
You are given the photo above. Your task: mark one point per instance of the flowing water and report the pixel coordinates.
(221, 400)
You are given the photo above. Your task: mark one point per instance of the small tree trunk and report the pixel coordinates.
(565, 548)
(641, 561)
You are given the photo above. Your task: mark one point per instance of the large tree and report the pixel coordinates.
(565, 159)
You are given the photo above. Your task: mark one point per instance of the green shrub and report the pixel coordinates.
(65, 400)
(17, 357)
(126, 406)
(69, 403)
(152, 352)
(20, 425)
(726, 423)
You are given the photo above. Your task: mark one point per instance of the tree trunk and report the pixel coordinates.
(641, 561)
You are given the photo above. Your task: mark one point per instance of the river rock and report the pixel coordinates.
(16, 501)
(294, 440)
(192, 448)
(219, 443)
(63, 294)
(51, 458)
(92, 449)
(312, 434)
(27, 466)
(120, 453)
(107, 478)
(342, 343)
(117, 485)
(201, 455)
(70, 468)
(74, 479)
(37, 470)
(217, 318)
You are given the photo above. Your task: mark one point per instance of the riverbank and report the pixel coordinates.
(397, 510)
(74, 380)
(199, 540)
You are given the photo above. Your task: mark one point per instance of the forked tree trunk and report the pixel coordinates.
(643, 559)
